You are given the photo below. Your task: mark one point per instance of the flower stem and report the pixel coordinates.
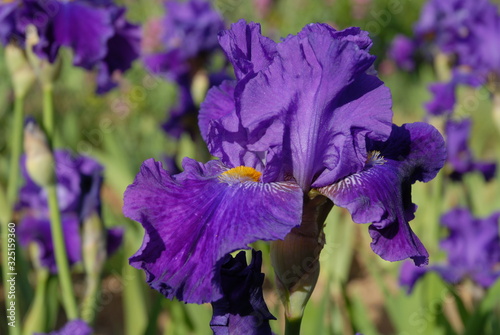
(496, 110)
(292, 326)
(64, 275)
(35, 321)
(91, 301)
(17, 137)
(12, 188)
(68, 297)
(48, 112)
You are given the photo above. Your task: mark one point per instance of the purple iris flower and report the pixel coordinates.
(473, 248)
(183, 117)
(444, 93)
(96, 31)
(188, 41)
(302, 116)
(459, 154)
(242, 309)
(402, 52)
(451, 24)
(74, 327)
(78, 186)
(189, 37)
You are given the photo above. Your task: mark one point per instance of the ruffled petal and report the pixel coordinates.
(193, 219)
(316, 102)
(381, 193)
(221, 129)
(246, 48)
(242, 309)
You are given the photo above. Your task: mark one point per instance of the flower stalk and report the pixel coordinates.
(38, 152)
(296, 260)
(22, 79)
(36, 320)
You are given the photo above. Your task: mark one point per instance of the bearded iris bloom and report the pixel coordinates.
(305, 117)
(473, 247)
(79, 182)
(96, 31)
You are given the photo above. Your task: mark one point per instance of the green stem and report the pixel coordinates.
(17, 139)
(496, 110)
(12, 189)
(48, 112)
(64, 275)
(90, 302)
(292, 326)
(35, 321)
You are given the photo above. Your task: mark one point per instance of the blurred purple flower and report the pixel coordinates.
(282, 128)
(459, 154)
(450, 25)
(188, 38)
(96, 31)
(402, 52)
(74, 327)
(78, 186)
(444, 99)
(183, 117)
(242, 309)
(473, 248)
(185, 43)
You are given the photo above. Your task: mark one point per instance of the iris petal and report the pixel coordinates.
(194, 219)
(316, 102)
(242, 310)
(246, 48)
(381, 193)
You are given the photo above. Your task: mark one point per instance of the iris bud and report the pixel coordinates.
(296, 258)
(200, 86)
(39, 158)
(46, 72)
(21, 73)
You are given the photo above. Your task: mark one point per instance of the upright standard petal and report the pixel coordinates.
(242, 309)
(193, 219)
(221, 129)
(381, 193)
(246, 48)
(313, 102)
